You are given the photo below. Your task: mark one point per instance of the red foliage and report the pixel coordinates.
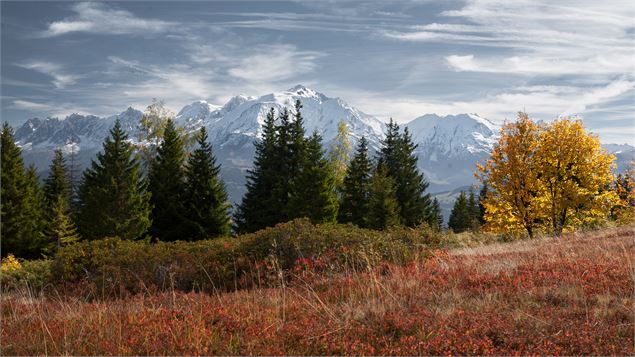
(559, 297)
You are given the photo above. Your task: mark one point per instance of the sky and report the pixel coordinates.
(399, 59)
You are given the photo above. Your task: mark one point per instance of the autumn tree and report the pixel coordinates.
(575, 174)
(511, 204)
(340, 154)
(555, 176)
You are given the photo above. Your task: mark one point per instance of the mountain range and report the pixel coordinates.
(448, 146)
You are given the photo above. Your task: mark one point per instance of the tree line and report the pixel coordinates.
(160, 191)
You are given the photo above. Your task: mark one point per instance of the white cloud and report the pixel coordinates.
(275, 63)
(545, 102)
(28, 105)
(60, 78)
(98, 18)
(572, 37)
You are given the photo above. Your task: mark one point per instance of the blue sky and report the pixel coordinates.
(389, 59)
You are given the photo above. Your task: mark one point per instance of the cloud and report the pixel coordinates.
(572, 37)
(275, 63)
(28, 105)
(615, 63)
(545, 102)
(98, 18)
(60, 78)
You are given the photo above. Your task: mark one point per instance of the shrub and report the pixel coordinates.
(33, 274)
(115, 267)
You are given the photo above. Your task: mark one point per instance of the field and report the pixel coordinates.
(566, 296)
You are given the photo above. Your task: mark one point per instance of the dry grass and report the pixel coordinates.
(571, 296)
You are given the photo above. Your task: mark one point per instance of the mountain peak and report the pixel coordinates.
(303, 91)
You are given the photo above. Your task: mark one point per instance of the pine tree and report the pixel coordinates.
(473, 206)
(113, 197)
(257, 209)
(286, 162)
(167, 185)
(355, 193)
(397, 154)
(205, 196)
(436, 216)
(482, 195)
(461, 216)
(34, 220)
(312, 193)
(60, 228)
(382, 206)
(20, 211)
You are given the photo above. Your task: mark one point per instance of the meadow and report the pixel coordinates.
(571, 295)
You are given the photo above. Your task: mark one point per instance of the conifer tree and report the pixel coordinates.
(355, 193)
(473, 205)
(34, 220)
(382, 206)
(435, 215)
(113, 197)
(205, 197)
(286, 162)
(60, 229)
(167, 185)
(482, 196)
(461, 215)
(20, 211)
(257, 209)
(312, 193)
(397, 154)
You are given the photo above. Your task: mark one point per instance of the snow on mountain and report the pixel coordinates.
(448, 146)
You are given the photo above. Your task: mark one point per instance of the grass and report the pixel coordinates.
(566, 296)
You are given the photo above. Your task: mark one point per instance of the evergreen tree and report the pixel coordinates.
(312, 192)
(34, 219)
(436, 216)
(113, 197)
(20, 211)
(167, 185)
(60, 228)
(355, 193)
(461, 216)
(475, 211)
(257, 209)
(383, 208)
(481, 208)
(397, 154)
(286, 162)
(206, 196)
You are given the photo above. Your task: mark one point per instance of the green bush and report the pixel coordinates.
(114, 267)
(33, 274)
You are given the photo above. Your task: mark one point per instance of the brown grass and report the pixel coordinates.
(567, 296)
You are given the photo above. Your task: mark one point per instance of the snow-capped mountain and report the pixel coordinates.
(232, 129)
(448, 146)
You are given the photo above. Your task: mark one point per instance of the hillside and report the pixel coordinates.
(566, 296)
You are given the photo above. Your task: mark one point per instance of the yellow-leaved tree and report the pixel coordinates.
(510, 173)
(575, 174)
(554, 177)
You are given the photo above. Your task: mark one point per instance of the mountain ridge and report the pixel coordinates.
(448, 146)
